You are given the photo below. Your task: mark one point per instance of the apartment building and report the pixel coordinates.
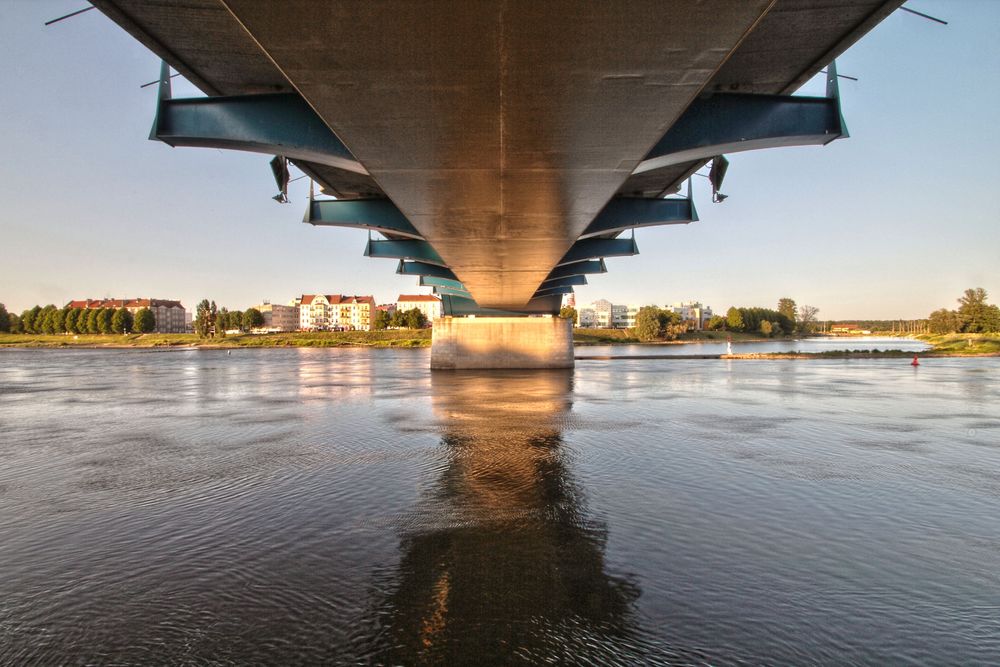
(335, 312)
(693, 312)
(278, 317)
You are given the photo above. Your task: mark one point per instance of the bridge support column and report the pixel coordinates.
(502, 342)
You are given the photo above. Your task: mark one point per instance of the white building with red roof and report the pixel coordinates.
(428, 304)
(335, 312)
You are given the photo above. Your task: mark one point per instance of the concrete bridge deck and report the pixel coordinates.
(496, 144)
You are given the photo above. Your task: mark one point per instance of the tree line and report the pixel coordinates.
(789, 318)
(413, 318)
(212, 321)
(52, 320)
(653, 323)
(974, 315)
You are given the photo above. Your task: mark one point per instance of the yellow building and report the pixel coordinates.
(335, 312)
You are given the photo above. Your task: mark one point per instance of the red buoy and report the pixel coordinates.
(914, 362)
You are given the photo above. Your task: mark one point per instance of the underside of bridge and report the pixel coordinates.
(500, 149)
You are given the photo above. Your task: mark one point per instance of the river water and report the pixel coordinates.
(309, 506)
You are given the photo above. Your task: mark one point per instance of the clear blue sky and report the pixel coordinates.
(894, 222)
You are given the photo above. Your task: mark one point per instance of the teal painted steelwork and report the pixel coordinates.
(276, 124)
(591, 248)
(380, 215)
(732, 122)
(563, 282)
(431, 281)
(541, 305)
(623, 213)
(566, 289)
(403, 249)
(452, 292)
(424, 269)
(588, 267)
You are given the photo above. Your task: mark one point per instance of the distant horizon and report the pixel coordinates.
(715, 310)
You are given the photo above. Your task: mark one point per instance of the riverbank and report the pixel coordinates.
(390, 338)
(949, 345)
(387, 338)
(626, 337)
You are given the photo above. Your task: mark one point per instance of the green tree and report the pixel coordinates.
(104, 316)
(807, 318)
(943, 321)
(28, 318)
(734, 319)
(222, 322)
(382, 320)
(59, 319)
(121, 321)
(4, 319)
(47, 320)
(716, 323)
(145, 321)
(974, 313)
(252, 319)
(414, 319)
(203, 319)
(568, 313)
(73, 320)
(788, 308)
(766, 328)
(648, 324)
(15, 323)
(397, 320)
(91, 321)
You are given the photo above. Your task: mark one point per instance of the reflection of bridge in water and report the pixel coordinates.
(500, 150)
(508, 564)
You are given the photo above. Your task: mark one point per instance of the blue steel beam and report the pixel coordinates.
(552, 291)
(732, 122)
(623, 213)
(431, 281)
(276, 124)
(592, 248)
(403, 249)
(380, 215)
(563, 282)
(424, 269)
(452, 292)
(587, 267)
(544, 304)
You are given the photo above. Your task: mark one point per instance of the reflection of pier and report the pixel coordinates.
(503, 564)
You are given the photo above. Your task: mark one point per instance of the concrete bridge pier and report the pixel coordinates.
(501, 342)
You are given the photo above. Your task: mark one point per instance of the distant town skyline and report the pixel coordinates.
(894, 222)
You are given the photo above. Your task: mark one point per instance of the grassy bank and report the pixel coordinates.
(943, 345)
(400, 338)
(963, 344)
(603, 336)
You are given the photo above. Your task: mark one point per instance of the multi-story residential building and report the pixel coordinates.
(335, 312)
(693, 312)
(170, 315)
(602, 313)
(278, 317)
(427, 304)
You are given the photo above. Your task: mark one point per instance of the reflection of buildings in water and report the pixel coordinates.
(503, 563)
(335, 374)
